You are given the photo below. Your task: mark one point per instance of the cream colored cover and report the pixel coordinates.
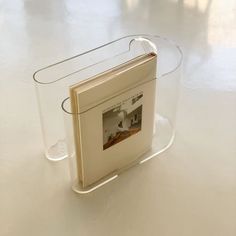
(115, 124)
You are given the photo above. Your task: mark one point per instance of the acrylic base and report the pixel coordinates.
(165, 135)
(57, 152)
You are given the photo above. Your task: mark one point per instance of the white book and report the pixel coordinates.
(114, 117)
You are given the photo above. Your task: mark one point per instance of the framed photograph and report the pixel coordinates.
(122, 121)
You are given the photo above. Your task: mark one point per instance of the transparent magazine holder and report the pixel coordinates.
(53, 83)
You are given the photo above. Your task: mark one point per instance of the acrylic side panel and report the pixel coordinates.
(52, 84)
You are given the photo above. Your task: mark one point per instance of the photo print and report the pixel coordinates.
(122, 121)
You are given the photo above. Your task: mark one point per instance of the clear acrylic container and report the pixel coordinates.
(52, 85)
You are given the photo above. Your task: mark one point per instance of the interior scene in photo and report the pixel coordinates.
(122, 121)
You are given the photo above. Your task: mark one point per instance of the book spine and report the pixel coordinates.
(77, 138)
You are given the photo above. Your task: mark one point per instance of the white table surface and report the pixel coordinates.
(190, 190)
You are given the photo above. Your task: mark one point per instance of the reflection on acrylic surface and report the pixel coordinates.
(122, 121)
